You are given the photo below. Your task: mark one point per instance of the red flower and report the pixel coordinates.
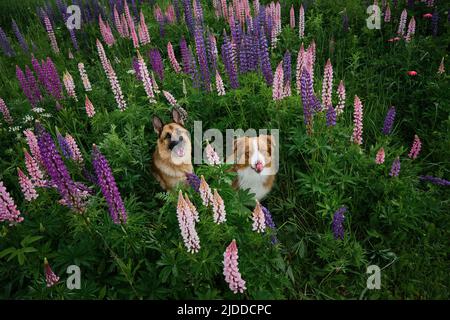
(428, 15)
(412, 73)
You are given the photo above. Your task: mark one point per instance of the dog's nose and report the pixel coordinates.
(173, 144)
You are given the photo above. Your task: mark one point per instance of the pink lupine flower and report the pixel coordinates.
(231, 269)
(219, 84)
(70, 55)
(299, 67)
(173, 60)
(358, 121)
(205, 192)
(50, 277)
(411, 30)
(131, 26)
(379, 159)
(125, 29)
(51, 34)
(218, 208)
(106, 32)
(118, 22)
(74, 150)
(5, 111)
(428, 15)
(84, 77)
(341, 95)
(33, 145)
(259, 221)
(327, 85)
(26, 186)
(402, 23)
(8, 209)
(37, 177)
(395, 39)
(170, 98)
(277, 89)
(292, 17)
(144, 36)
(416, 147)
(387, 14)
(192, 207)
(441, 69)
(70, 85)
(186, 222)
(211, 155)
(90, 110)
(154, 83)
(145, 77)
(301, 22)
(412, 73)
(310, 59)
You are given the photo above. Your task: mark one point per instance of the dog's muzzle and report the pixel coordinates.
(173, 144)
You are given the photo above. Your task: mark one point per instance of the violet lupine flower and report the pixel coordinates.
(341, 95)
(402, 23)
(51, 34)
(186, 221)
(33, 86)
(387, 14)
(108, 187)
(278, 90)
(389, 121)
(53, 85)
(441, 69)
(338, 220)
(301, 22)
(435, 22)
(211, 155)
(137, 71)
(231, 270)
(395, 169)
(379, 159)
(73, 149)
(264, 58)
(415, 149)
(435, 180)
(8, 209)
(327, 85)
(73, 37)
(307, 94)
(287, 74)
(26, 186)
(36, 175)
(156, 63)
(185, 56)
(269, 223)
(205, 192)
(50, 277)
(65, 149)
(5, 111)
(218, 208)
(84, 77)
(26, 86)
(173, 60)
(90, 110)
(331, 116)
(188, 15)
(230, 66)
(194, 181)
(6, 46)
(259, 221)
(212, 51)
(358, 121)
(59, 175)
(22, 42)
(243, 57)
(202, 59)
(198, 12)
(70, 85)
(219, 84)
(411, 30)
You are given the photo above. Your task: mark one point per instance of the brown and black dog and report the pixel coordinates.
(172, 157)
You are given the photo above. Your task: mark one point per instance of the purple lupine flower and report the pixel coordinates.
(193, 180)
(176, 7)
(264, 59)
(65, 148)
(73, 37)
(71, 195)
(33, 85)
(108, 186)
(331, 116)
(269, 223)
(287, 67)
(212, 51)
(195, 73)
(230, 66)
(389, 121)
(6, 46)
(137, 71)
(435, 22)
(307, 93)
(243, 57)
(22, 42)
(435, 180)
(54, 82)
(395, 169)
(198, 11)
(156, 63)
(338, 220)
(185, 57)
(188, 15)
(202, 59)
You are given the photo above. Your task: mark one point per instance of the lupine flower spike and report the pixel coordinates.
(26, 186)
(74, 150)
(341, 95)
(379, 159)
(358, 121)
(186, 221)
(219, 84)
(402, 23)
(90, 110)
(441, 69)
(395, 169)
(70, 85)
(327, 85)
(435, 180)
(84, 77)
(231, 270)
(192, 207)
(51, 34)
(411, 30)
(259, 221)
(173, 60)
(211, 155)
(301, 22)
(194, 181)
(5, 111)
(218, 208)
(8, 209)
(278, 89)
(389, 121)
(50, 277)
(205, 192)
(415, 149)
(170, 98)
(338, 220)
(145, 77)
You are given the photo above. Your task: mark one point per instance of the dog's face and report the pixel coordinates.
(254, 153)
(173, 142)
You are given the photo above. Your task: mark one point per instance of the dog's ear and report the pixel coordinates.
(177, 117)
(157, 125)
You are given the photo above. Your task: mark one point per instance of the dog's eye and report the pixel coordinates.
(168, 136)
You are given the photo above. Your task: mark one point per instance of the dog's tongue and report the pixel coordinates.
(259, 166)
(179, 151)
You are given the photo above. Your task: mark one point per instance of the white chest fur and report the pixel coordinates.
(249, 179)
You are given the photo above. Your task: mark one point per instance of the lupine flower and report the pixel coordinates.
(341, 95)
(259, 221)
(219, 84)
(218, 208)
(230, 66)
(23, 44)
(327, 85)
(73, 148)
(411, 30)
(299, 67)
(29, 85)
(8, 209)
(331, 116)
(379, 159)
(186, 221)
(428, 15)
(358, 121)
(231, 270)
(144, 36)
(53, 85)
(33, 145)
(264, 58)
(70, 85)
(212, 51)
(50, 277)
(395, 169)
(154, 83)
(188, 15)
(84, 77)
(308, 99)
(146, 80)
(5, 111)
(108, 186)
(287, 74)
(211, 155)
(277, 90)
(435, 180)
(415, 149)
(36, 175)
(26, 186)
(157, 63)
(205, 192)
(202, 59)
(269, 223)
(292, 17)
(6, 46)
(301, 22)
(402, 23)
(193, 209)
(412, 73)
(441, 69)
(118, 22)
(338, 220)
(136, 69)
(70, 55)
(389, 121)
(173, 60)
(90, 110)
(194, 181)
(170, 98)
(67, 153)
(395, 39)
(51, 34)
(387, 14)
